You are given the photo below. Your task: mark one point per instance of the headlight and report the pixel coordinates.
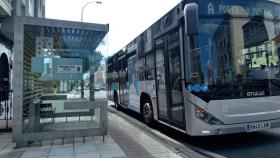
(204, 116)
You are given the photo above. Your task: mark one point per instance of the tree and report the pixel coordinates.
(95, 62)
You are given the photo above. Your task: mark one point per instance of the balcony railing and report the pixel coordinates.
(5, 7)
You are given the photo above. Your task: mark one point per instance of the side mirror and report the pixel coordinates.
(191, 19)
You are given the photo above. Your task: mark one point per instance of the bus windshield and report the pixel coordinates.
(239, 52)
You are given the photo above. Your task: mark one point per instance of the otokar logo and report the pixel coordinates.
(255, 94)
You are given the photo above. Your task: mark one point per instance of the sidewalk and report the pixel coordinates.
(136, 143)
(124, 141)
(93, 147)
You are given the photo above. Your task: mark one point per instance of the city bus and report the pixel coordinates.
(207, 67)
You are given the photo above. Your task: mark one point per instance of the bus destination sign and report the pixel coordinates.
(238, 10)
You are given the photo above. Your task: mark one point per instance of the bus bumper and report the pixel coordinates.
(210, 130)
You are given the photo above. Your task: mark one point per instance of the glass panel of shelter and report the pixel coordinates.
(57, 80)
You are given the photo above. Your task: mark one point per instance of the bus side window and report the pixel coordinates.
(149, 75)
(141, 75)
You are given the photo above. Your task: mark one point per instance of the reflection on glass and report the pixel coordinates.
(177, 108)
(161, 87)
(236, 56)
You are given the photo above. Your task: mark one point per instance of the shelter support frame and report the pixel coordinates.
(21, 138)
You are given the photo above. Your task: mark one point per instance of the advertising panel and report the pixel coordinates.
(69, 69)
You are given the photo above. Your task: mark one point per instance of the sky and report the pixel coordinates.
(126, 18)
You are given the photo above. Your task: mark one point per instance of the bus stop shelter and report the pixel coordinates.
(52, 99)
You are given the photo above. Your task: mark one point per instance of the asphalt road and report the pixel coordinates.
(265, 144)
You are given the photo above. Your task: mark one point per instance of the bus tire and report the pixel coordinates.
(116, 100)
(148, 113)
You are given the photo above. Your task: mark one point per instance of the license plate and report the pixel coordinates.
(251, 127)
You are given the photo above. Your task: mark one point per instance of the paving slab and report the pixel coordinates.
(87, 155)
(80, 148)
(92, 147)
(62, 150)
(110, 150)
(39, 153)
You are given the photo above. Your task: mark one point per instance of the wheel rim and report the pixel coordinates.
(147, 112)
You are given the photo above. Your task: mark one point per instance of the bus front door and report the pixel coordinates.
(169, 84)
(173, 54)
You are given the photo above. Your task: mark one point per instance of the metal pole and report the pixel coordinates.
(82, 81)
(11, 104)
(97, 2)
(7, 117)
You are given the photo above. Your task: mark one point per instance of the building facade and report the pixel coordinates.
(8, 10)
